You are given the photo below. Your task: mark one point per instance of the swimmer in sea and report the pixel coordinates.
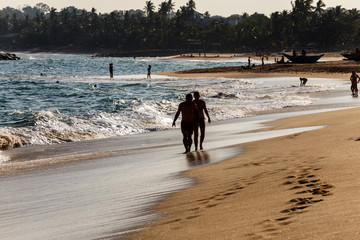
(189, 112)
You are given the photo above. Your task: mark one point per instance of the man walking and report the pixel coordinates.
(189, 112)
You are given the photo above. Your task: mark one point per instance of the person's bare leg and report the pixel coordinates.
(189, 143)
(196, 136)
(202, 134)
(185, 141)
(189, 138)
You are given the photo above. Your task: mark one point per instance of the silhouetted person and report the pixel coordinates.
(200, 121)
(249, 62)
(111, 70)
(189, 112)
(303, 81)
(282, 59)
(354, 81)
(294, 52)
(149, 72)
(303, 52)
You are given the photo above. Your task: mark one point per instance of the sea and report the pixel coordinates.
(55, 98)
(98, 153)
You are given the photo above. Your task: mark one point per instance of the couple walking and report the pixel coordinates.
(192, 113)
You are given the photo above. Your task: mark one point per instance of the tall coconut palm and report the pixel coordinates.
(149, 8)
(319, 9)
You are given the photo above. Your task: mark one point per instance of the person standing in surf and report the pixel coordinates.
(354, 79)
(189, 112)
(111, 70)
(149, 72)
(200, 121)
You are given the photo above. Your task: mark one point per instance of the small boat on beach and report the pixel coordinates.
(352, 56)
(303, 58)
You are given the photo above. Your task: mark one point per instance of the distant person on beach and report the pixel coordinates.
(282, 60)
(354, 81)
(303, 81)
(249, 62)
(111, 70)
(303, 52)
(149, 72)
(189, 112)
(200, 122)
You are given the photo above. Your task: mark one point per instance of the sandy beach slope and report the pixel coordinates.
(302, 186)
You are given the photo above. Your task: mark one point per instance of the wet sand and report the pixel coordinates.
(301, 186)
(105, 189)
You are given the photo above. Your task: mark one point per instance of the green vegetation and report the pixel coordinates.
(308, 24)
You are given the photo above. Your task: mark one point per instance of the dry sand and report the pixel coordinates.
(301, 186)
(331, 66)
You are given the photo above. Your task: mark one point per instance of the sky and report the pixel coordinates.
(223, 8)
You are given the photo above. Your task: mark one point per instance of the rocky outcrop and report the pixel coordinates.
(8, 56)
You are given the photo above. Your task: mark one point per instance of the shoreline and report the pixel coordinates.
(290, 187)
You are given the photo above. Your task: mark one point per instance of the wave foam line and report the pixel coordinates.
(3, 158)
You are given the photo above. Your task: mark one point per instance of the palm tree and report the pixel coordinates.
(319, 7)
(171, 5)
(149, 8)
(163, 8)
(302, 6)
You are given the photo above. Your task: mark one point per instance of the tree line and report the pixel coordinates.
(307, 24)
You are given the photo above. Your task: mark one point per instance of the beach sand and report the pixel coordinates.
(327, 69)
(331, 65)
(300, 186)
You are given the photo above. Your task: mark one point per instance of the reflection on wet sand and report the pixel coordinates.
(198, 158)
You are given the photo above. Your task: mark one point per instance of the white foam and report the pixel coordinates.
(3, 158)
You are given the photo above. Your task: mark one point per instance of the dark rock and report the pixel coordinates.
(8, 56)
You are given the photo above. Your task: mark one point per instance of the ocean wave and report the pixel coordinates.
(73, 110)
(52, 126)
(9, 141)
(226, 99)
